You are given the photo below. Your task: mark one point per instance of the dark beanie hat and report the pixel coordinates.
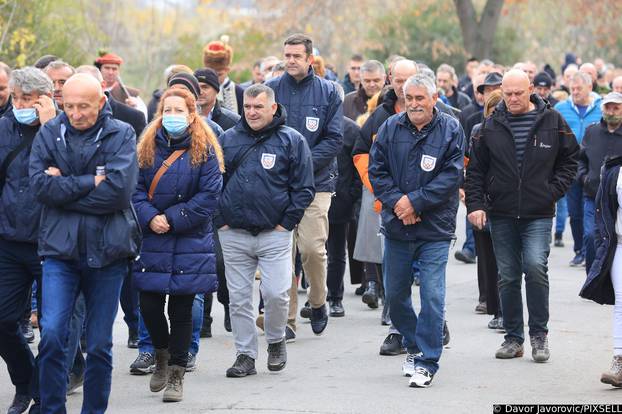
(188, 80)
(543, 79)
(209, 76)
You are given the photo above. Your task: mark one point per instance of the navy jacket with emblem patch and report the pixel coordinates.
(273, 184)
(315, 109)
(424, 165)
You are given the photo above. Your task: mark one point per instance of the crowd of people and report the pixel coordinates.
(289, 178)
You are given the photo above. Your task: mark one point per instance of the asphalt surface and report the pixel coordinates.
(342, 372)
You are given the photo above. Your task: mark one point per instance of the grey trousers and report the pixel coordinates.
(243, 253)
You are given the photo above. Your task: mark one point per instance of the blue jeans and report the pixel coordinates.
(423, 332)
(561, 215)
(469, 243)
(62, 281)
(522, 246)
(75, 360)
(574, 199)
(588, 231)
(144, 341)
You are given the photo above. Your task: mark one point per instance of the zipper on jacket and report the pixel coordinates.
(522, 169)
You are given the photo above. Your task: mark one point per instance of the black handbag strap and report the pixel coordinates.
(231, 170)
(10, 157)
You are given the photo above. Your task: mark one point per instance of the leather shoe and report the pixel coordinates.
(319, 319)
(370, 297)
(132, 340)
(336, 309)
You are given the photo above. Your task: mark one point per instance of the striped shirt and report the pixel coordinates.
(520, 125)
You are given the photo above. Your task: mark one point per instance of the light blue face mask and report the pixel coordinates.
(175, 125)
(25, 116)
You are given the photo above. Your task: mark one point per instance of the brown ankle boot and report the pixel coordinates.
(614, 375)
(174, 391)
(158, 379)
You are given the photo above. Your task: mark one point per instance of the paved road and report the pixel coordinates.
(341, 371)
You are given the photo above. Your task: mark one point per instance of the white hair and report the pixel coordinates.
(423, 80)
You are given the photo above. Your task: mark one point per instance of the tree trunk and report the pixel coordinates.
(478, 35)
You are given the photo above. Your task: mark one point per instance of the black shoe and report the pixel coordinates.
(243, 366)
(75, 382)
(465, 256)
(290, 334)
(558, 240)
(370, 297)
(319, 319)
(132, 340)
(144, 364)
(336, 309)
(277, 356)
(206, 329)
(191, 365)
(20, 404)
(25, 326)
(446, 337)
(392, 345)
(359, 290)
(227, 319)
(305, 312)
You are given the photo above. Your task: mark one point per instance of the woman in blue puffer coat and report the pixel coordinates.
(178, 188)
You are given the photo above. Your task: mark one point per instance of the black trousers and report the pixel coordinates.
(339, 236)
(223, 292)
(487, 272)
(180, 316)
(19, 267)
(129, 302)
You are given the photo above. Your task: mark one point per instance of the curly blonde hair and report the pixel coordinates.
(203, 140)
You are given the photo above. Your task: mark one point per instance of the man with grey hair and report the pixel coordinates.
(419, 207)
(447, 81)
(373, 76)
(369, 241)
(5, 94)
(59, 72)
(582, 109)
(268, 184)
(20, 265)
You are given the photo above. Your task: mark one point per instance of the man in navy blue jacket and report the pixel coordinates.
(268, 186)
(314, 109)
(83, 170)
(415, 169)
(31, 92)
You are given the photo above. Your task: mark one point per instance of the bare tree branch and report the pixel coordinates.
(8, 25)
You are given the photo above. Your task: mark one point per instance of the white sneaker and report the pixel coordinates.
(422, 378)
(408, 367)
